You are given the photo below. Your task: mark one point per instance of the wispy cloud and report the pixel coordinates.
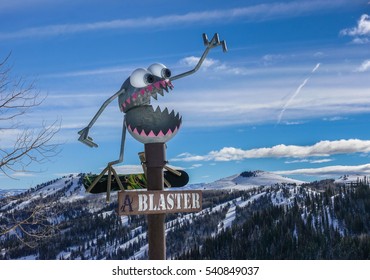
(214, 65)
(334, 119)
(14, 5)
(90, 72)
(365, 66)
(196, 165)
(320, 149)
(310, 160)
(334, 170)
(23, 174)
(270, 59)
(256, 12)
(361, 32)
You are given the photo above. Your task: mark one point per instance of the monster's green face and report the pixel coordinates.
(143, 122)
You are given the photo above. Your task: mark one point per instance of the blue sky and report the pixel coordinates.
(291, 96)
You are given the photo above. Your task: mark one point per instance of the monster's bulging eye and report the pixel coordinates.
(141, 78)
(159, 70)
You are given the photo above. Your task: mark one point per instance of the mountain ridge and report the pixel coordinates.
(71, 224)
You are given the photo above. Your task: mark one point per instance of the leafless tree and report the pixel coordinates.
(29, 145)
(32, 228)
(22, 145)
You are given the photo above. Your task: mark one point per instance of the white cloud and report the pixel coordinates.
(362, 28)
(310, 160)
(196, 165)
(320, 149)
(294, 123)
(321, 160)
(270, 59)
(256, 12)
(334, 119)
(365, 66)
(214, 65)
(318, 54)
(23, 174)
(360, 41)
(361, 32)
(193, 60)
(329, 170)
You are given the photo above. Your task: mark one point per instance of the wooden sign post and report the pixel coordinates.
(156, 202)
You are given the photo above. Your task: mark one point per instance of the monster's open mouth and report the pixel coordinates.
(138, 97)
(146, 124)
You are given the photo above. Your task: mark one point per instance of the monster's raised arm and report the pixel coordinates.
(209, 45)
(84, 133)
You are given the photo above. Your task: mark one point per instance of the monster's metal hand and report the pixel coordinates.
(215, 42)
(85, 138)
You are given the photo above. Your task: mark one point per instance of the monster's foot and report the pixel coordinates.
(110, 171)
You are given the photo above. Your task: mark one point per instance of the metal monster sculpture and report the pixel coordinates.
(143, 122)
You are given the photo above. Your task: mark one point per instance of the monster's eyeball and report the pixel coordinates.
(160, 70)
(141, 78)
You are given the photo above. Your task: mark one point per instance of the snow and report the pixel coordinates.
(72, 191)
(353, 178)
(12, 192)
(231, 213)
(30, 257)
(238, 182)
(124, 220)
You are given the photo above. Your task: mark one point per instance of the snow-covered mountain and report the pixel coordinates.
(69, 188)
(352, 179)
(84, 226)
(11, 192)
(247, 180)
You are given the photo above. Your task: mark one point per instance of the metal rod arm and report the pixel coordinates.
(209, 45)
(84, 133)
(102, 108)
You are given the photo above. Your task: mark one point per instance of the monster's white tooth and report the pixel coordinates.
(161, 92)
(158, 110)
(165, 111)
(154, 95)
(172, 113)
(178, 116)
(170, 85)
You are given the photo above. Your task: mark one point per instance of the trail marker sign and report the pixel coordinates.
(158, 202)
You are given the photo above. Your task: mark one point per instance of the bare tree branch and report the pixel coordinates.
(37, 218)
(30, 145)
(21, 146)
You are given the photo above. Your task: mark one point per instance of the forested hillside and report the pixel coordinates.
(58, 220)
(334, 224)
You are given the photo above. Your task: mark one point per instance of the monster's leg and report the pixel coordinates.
(119, 160)
(110, 169)
(123, 138)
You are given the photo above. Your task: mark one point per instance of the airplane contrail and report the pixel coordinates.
(316, 67)
(298, 90)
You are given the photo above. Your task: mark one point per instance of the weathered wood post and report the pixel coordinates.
(155, 154)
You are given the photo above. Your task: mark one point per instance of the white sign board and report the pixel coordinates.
(157, 202)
